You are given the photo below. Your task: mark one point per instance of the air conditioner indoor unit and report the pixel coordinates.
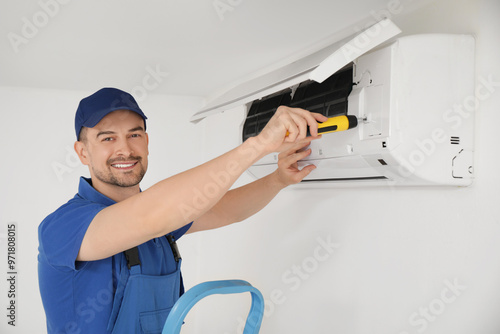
(413, 96)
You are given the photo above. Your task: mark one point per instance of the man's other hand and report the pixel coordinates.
(288, 171)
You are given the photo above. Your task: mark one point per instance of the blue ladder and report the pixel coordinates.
(202, 290)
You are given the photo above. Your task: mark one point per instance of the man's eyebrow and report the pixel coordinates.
(138, 128)
(102, 133)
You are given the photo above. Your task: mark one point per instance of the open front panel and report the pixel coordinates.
(317, 67)
(328, 98)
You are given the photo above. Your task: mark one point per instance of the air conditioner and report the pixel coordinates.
(414, 96)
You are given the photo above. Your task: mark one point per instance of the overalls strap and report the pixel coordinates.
(143, 302)
(132, 256)
(175, 249)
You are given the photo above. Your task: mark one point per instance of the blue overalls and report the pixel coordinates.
(143, 302)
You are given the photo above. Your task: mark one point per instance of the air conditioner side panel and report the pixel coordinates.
(432, 87)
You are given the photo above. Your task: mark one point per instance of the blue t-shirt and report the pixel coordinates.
(78, 296)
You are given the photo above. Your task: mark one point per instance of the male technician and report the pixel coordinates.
(108, 259)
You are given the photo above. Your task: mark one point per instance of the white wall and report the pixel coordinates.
(396, 246)
(399, 249)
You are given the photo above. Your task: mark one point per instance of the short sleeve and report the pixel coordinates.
(61, 233)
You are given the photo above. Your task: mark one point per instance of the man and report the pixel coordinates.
(108, 260)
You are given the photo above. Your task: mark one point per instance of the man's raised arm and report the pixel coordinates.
(182, 198)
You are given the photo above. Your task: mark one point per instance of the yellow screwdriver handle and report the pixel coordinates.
(336, 124)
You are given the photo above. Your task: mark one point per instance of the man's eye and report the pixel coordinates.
(135, 135)
(107, 139)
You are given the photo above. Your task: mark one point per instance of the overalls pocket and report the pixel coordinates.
(146, 302)
(152, 322)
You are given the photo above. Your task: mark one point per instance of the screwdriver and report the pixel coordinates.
(336, 124)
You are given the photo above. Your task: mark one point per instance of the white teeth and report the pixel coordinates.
(122, 165)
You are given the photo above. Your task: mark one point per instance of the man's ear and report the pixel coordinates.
(82, 152)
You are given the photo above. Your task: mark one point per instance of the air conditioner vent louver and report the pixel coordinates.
(366, 178)
(262, 111)
(328, 98)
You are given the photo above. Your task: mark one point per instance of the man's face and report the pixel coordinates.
(116, 149)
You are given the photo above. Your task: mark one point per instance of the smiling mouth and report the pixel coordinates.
(124, 166)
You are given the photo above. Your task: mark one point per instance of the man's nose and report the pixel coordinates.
(124, 148)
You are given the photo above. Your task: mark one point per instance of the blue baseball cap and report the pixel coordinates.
(94, 107)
